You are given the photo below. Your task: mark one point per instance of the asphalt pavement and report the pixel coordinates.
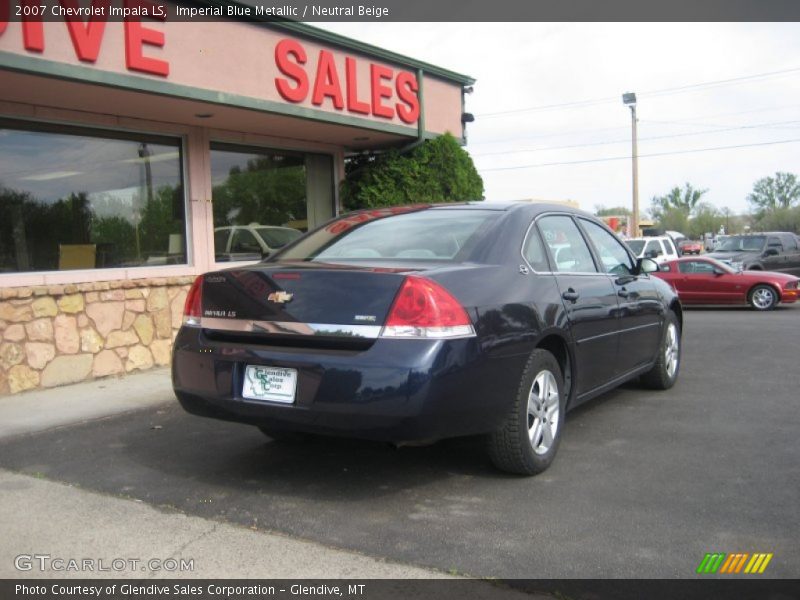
(644, 485)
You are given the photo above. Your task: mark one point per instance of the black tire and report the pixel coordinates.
(510, 447)
(663, 376)
(763, 297)
(280, 435)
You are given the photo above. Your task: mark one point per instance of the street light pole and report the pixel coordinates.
(629, 99)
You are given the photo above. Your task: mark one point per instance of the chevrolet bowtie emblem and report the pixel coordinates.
(280, 297)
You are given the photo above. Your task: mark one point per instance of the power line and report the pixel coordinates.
(643, 139)
(612, 158)
(652, 93)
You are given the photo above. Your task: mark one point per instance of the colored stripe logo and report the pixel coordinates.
(735, 563)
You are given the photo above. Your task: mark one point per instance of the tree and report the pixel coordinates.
(707, 219)
(780, 219)
(438, 170)
(781, 191)
(602, 211)
(685, 200)
(673, 219)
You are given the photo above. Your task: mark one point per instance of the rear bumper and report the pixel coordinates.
(396, 390)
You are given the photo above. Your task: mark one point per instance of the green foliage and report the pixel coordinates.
(781, 191)
(438, 170)
(602, 211)
(673, 219)
(707, 219)
(684, 200)
(780, 219)
(271, 190)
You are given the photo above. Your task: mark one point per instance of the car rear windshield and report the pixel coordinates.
(397, 234)
(742, 243)
(278, 237)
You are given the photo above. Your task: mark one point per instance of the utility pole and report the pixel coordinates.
(629, 99)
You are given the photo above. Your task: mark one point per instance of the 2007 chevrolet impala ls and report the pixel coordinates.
(417, 323)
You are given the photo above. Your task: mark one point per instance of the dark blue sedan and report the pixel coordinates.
(417, 323)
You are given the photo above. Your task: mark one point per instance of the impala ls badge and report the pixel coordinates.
(280, 297)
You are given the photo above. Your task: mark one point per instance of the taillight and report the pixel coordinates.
(424, 309)
(192, 308)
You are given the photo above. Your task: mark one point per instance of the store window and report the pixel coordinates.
(83, 199)
(264, 199)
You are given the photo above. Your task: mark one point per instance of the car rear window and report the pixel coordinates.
(396, 236)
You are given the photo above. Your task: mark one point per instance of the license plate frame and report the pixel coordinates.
(269, 384)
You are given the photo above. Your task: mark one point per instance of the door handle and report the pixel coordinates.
(623, 293)
(571, 295)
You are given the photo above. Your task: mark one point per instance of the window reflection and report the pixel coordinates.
(259, 200)
(73, 199)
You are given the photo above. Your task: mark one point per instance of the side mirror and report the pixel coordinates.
(771, 252)
(646, 265)
(651, 253)
(718, 272)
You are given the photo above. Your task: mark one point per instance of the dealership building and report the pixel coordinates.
(137, 154)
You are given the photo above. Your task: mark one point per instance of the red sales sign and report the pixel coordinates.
(390, 93)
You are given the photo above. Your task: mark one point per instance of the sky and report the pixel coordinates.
(558, 88)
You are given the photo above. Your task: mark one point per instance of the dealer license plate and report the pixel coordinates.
(270, 384)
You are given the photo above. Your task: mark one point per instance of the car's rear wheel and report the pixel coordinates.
(763, 297)
(528, 440)
(665, 370)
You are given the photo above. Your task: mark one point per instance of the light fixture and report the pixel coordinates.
(467, 117)
(629, 98)
(468, 89)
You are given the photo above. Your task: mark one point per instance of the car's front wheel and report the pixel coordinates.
(665, 370)
(527, 442)
(763, 297)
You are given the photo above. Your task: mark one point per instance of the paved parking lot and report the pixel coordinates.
(644, 485)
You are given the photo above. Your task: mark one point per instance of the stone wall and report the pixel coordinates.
(59, 334)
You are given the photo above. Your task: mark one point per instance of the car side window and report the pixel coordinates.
(568, 249)
(534, 251)
(670, 247)
(696, 267)
(653, 248)
(613, 256)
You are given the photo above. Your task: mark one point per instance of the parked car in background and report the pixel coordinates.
(690, 247)
(718, 241)
(703, 280)
(770, 251)
(659, 248)
(412, 324)
(251, 242)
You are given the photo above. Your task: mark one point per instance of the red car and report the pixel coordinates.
(690, 247)
(708, 281)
